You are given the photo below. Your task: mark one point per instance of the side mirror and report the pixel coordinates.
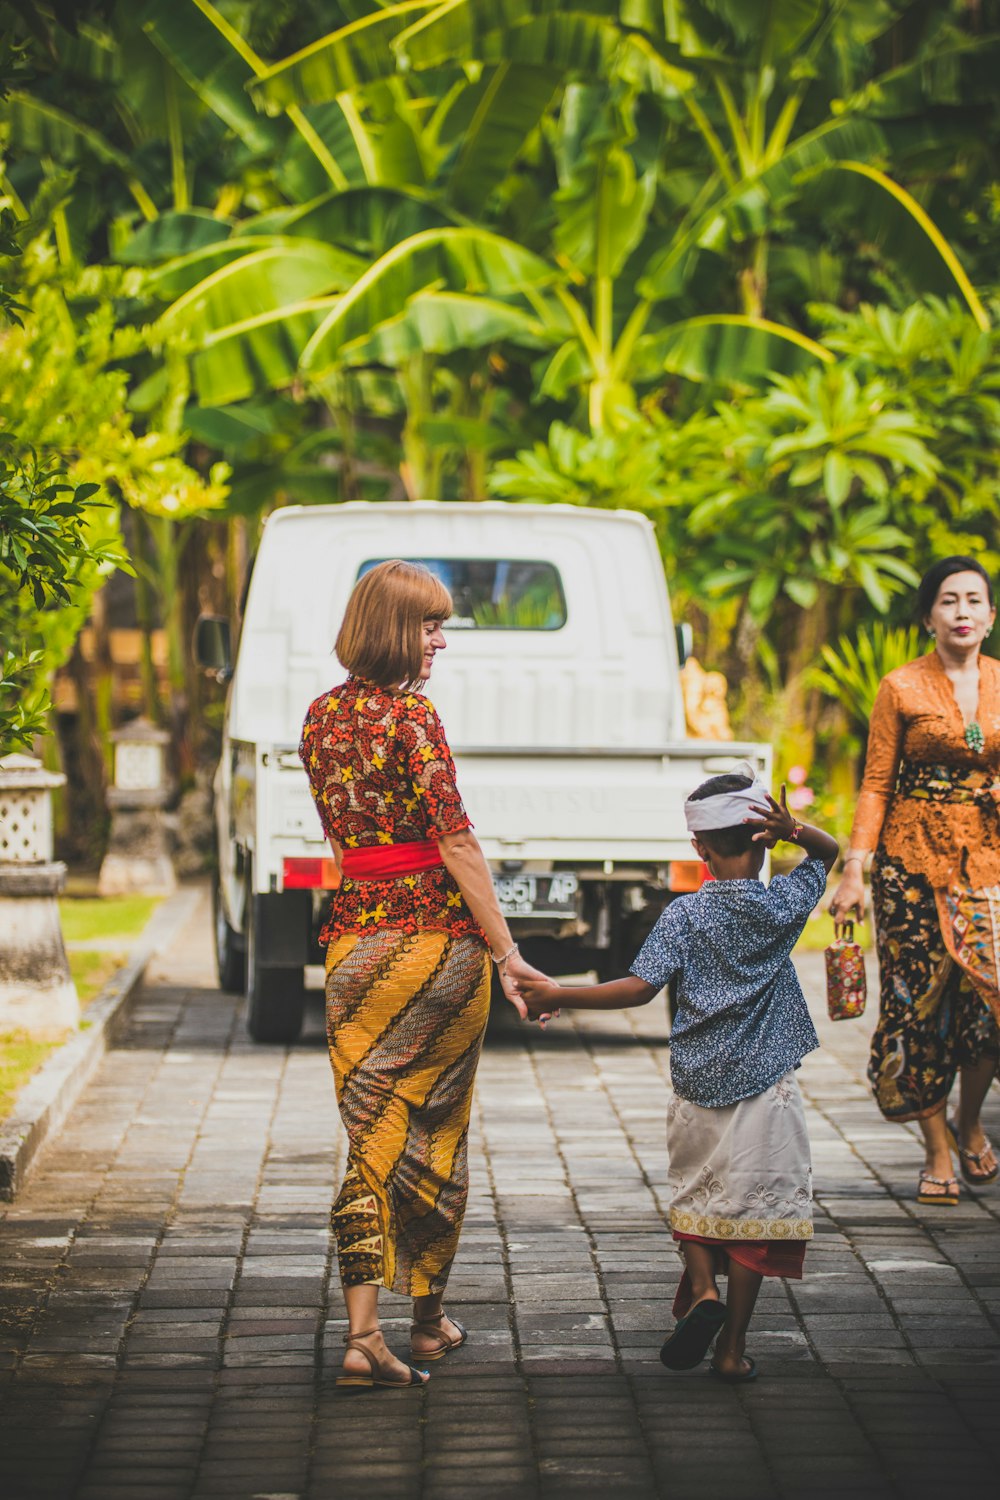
(213, 646)
(685, 643)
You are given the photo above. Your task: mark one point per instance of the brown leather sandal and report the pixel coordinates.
(946, 1198)
(983, 1174)
(376, 1375)
(446, 1345)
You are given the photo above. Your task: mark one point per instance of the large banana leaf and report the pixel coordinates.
(511, 105)
(388, 137)
(254, 286)
(38, 128)
(443, 322)
(576, 43)
(235, 430)
(368, 219)
(773, 28)
(747, 208)
(603, 213)
(304, 175)
(567, 370)
(890, 215)
(257, 354)
(461, 29)
(461, 260)
(338, 268)
(90, 53)
(339, 63)
(729, 348)
(211, 67)
(570, 41)
(172, 235)
(961, 76)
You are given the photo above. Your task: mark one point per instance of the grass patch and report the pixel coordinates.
(112, 917)
(91, 972)
(20, 1057)
(118, 920)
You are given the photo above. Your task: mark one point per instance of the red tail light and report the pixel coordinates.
(687, 875)
(310, 874)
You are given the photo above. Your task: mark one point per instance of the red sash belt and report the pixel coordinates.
(386, 861)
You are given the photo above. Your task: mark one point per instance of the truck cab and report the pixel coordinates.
(560, 696)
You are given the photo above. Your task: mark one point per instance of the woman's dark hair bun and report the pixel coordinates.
(930, 584)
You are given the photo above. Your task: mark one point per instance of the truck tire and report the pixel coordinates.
(275, 997)
(230, 951)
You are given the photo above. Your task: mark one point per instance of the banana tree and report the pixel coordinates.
(614, 331)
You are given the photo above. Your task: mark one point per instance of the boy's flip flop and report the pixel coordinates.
(740, 1377)
(688, 1344)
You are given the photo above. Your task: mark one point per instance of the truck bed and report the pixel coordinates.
(573, 806)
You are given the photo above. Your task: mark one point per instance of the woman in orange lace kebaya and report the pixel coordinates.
(409, 940)
(929, 808)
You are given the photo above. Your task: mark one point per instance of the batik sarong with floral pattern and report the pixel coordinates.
(406, 1014)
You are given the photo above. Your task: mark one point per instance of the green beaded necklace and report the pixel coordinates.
(974, 737)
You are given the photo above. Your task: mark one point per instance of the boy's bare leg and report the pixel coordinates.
(741, 1299)
(699, 1260)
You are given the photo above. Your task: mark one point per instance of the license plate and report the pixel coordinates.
(537, 895)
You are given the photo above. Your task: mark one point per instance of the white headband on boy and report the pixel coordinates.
(726, 809)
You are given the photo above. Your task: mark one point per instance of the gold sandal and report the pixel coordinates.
(376, 1377)
(430, 1325)
(947, 1198)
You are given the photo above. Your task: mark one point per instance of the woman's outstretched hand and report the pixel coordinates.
(849, 897)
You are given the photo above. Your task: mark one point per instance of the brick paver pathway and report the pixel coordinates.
(172, 1319)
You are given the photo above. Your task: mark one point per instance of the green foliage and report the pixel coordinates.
(621, 468)
(852, 670)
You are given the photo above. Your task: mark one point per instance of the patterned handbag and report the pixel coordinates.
(846, 986)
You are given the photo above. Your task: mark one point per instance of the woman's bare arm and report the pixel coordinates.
(466, 863)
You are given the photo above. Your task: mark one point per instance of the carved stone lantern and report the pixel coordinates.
(37, 993)
(138, 861)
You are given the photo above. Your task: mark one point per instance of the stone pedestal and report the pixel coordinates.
(138, 862)
(37, 994)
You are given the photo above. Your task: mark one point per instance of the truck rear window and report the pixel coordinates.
(493, 593)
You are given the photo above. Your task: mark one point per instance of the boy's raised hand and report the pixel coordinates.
(776, 821)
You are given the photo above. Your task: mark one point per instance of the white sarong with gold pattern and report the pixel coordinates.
(742, 1172)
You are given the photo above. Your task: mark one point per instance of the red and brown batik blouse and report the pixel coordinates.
(381, 773)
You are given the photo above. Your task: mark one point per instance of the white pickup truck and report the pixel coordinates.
(560, 695)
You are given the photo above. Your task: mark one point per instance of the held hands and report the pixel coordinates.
(541, 997)
(776, 822)
(529, 990)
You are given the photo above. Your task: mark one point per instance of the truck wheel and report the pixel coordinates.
(230, 952)
(275, 997)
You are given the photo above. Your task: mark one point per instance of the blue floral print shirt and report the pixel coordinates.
(742, 1019)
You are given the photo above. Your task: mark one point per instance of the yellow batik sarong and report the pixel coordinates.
(406, 1014)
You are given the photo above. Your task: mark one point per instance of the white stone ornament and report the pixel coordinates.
(37, 993)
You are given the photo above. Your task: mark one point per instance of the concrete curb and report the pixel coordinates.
(44, 1103)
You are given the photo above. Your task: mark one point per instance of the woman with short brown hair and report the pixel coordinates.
(410, 935)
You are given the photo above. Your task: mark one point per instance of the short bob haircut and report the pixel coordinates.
(381, 637)
(930, 584)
